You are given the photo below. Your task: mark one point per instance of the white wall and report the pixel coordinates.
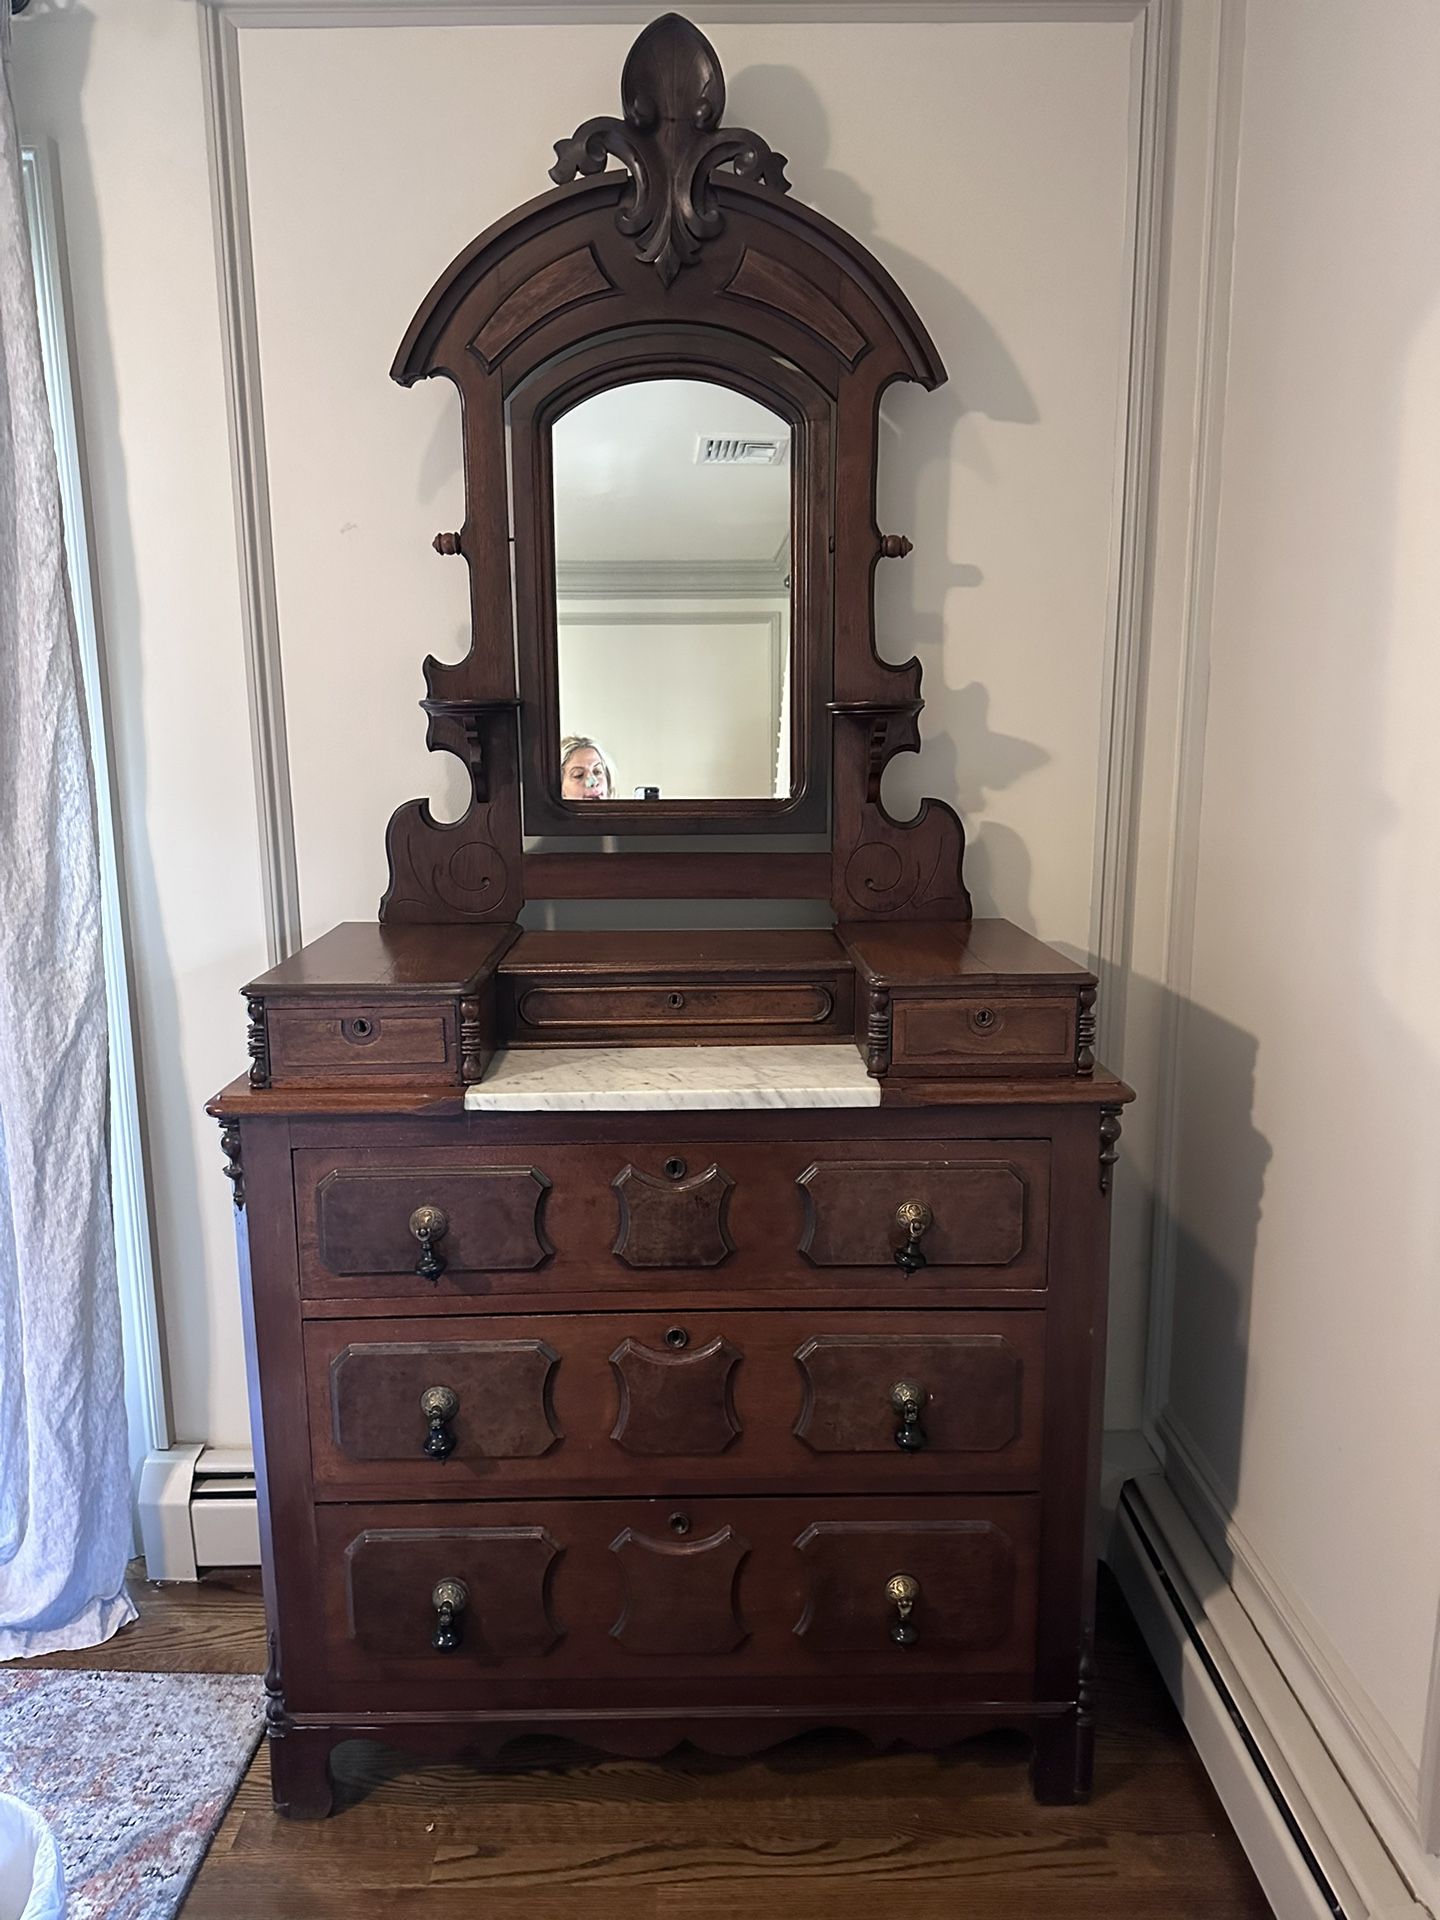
(1301, 1393)
(991, 163)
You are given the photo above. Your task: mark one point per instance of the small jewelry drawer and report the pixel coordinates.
(997, 1034)
(695, 1009)
(715, 1592)
(762, 987)
(415, 1409)
(322, 1044)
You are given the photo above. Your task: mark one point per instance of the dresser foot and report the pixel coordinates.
(1062, 1768)
(300, 1773)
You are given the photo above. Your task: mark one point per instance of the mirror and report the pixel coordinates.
(672, 555)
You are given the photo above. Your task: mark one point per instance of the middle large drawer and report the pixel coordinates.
(688, 1401)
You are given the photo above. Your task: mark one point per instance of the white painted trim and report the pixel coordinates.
(259, 605)
(1173, 1622)
(166, 1538)
(1112, 891)
(473, 13)
(1123, 674)
(147, 1415)
(1382, 1776)
(1183, 866)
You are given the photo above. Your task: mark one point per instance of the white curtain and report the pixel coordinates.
(64, 1479)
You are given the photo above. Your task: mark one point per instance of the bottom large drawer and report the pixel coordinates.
(443, 1608)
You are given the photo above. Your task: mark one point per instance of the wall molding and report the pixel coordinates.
(1112, 893)
(221, 23)
(1313, 1843)
(1182, 870)
(245, 410)
(1364, 1746)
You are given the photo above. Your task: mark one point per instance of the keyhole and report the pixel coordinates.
(675, 1000)
(679, 1523)
(361, 1027)
(676, 1337)
(675, 1168)
(984, 1018)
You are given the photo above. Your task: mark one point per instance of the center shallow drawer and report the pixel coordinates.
(714, 1592)
(433, 1223)
(695, 1399)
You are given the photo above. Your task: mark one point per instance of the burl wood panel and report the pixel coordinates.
(791, 1206)
(674, 1403)
(694, 1401)
(361, 1220)
(390, 1576)
(790, 1592)
(980, 1209)
(974, 1388)
(681, 1596)
(502, 1386)
(672, 1222)
(965, 1570)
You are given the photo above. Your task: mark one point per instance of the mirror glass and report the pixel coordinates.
(672, 591)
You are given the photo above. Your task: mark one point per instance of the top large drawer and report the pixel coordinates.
(422, 1223)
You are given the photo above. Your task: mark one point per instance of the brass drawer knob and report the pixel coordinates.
(439, 1406)
(449, 1598)
(908, 1398)
(429, 1224)
(914, 1219)
(902, 1590)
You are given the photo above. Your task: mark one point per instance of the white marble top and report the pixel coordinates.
(655, 1079)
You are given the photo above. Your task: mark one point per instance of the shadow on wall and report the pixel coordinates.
(922, 439)
(1205, 1243)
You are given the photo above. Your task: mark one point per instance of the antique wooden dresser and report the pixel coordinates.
(673, 1335)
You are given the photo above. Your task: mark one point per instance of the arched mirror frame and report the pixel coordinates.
(729, 360)
(663, 248)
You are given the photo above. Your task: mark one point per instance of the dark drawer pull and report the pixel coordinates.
(439, 1406)
(903, 1590)
(429, 1224)
(449, 1599)
(907, 1399)
(913, 1218)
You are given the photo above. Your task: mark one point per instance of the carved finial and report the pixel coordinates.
(672, 91)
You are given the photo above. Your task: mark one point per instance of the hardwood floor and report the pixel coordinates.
(821, 1829)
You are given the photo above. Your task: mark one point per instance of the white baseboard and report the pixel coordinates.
(197, 1510)
(1304, 1830)
(1382, 1776)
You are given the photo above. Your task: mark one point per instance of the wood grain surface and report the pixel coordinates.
(820, 1829)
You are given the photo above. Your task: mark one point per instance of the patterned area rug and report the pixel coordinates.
(133, 1771)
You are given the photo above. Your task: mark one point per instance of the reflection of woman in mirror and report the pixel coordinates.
(585, 773)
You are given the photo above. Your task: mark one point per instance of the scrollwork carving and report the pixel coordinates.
(671, 142)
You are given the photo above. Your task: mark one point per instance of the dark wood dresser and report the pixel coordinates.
(663, 1336)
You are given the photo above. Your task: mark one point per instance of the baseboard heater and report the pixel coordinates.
(1313, 1851)
(198, 1510)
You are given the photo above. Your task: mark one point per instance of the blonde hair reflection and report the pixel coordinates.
(580, 743)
